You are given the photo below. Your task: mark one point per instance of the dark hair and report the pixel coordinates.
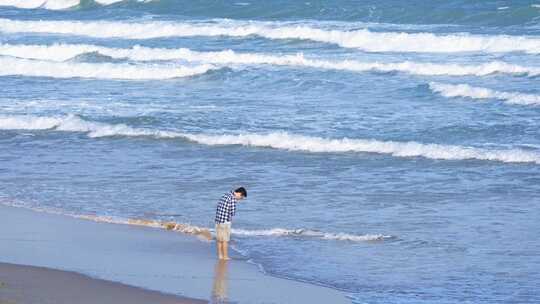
(242, 191)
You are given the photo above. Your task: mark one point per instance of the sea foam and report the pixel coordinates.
(363, 39)
(46, 4)
(306, 233)
(63, 52)
(204, 233)
(208, 234)
(54, 4)
(40, 68)
(277, 140)
(465, 90)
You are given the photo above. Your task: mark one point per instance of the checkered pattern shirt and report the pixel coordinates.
(226, 208)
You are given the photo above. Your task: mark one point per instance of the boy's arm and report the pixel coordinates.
(233, 208)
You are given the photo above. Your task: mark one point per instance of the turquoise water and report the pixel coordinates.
(390, 149)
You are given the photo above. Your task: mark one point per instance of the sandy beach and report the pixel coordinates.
(114, 263)
(389, 150)
(27, 284)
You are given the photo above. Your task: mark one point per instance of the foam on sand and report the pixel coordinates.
(363, 39)
(201, 232)
(63, 52)
(465, 90)
(208, 234)
(39, 68)
(276, 140)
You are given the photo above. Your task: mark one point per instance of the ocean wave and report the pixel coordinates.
(46, 4)
(292, 142)
(277, 140)
(39, 68)
(363, 39)
(205, 233)
(55, 4)
(62, 52)
(465, 90)
(73, 123)
(312, 234)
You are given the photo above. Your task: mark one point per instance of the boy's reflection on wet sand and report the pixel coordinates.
(219, 290)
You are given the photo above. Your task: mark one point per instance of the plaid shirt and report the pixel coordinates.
(226, 208)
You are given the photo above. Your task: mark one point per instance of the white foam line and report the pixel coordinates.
(285, 141)
(206, 233)
(465, 90)
(361, 39)
(62, 52)
(278, 140)
(38, 68)
(46, 4)
(23, 4)
(54, 4)
(311, 234)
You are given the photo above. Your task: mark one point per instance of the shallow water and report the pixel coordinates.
(389, 150)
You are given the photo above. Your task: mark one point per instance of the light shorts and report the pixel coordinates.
(223, 232)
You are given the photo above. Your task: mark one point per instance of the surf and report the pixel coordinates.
(362, 39)
(208, 234)
(41, 68)
(479, 93)
(57, 4)
(276, 140)
(45, 4)
(64, 52)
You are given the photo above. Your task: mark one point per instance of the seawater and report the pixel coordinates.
(390, 149)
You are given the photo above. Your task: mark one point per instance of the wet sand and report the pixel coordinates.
(148, 258)
(28, 285)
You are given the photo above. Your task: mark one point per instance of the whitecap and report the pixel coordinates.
(363, 39)
(55, 4)
(479, 93)
(46, 4)
(41, 68)
(62, 52)
(278, 140)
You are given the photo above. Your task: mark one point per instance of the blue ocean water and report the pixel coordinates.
(390, 149)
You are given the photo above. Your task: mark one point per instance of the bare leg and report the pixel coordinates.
(225, 250)
(219, 246)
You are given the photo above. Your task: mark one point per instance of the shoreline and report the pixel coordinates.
(21, 284)
(154, 260)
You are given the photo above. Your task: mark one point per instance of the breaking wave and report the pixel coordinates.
(363, 39)
(277, 140)
(62, 52)
(39, 68)
(465, 90)
(54, 4)
(72, 123)
(46, 4)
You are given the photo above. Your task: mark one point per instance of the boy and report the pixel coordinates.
(226, 209)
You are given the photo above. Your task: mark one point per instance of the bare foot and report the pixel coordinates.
(226, 258)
